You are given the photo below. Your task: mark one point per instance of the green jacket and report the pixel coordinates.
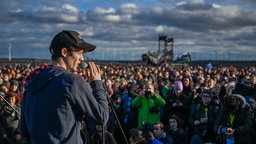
(148, 108)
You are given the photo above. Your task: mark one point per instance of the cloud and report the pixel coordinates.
(122, 14)
(159, 29)
(65, 13)
(197, 1)
(196, 25)
(7, 6)
(128, 8)
(99, 10)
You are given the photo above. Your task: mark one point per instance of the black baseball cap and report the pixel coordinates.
(68, 38)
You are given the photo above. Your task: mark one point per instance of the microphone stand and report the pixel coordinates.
(103, 134)
(84, 65)
(118, 122)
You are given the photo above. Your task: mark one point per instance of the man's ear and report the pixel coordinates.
(64, 52)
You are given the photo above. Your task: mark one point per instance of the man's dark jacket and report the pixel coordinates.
(54, 103)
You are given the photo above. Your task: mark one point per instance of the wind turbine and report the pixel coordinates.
(9, 48)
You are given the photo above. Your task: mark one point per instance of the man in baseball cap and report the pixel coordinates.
(68, 39)
(56, 99)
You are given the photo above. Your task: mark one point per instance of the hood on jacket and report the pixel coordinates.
(233, 103)
(40, 77)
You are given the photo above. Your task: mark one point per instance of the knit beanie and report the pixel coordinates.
(210, 93)
(178, 85)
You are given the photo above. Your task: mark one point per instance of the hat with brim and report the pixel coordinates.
(69, 38)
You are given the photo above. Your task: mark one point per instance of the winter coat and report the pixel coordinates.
(9, 120)
(204, 130)
(242, 123)
(148, 108)
(181, 111)
(54, 104)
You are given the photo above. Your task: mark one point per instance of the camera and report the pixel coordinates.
(147, 93)
(173, 131)
(224, 129)
(154, 110)
(146, 129)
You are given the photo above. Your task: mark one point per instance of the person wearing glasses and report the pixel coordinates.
(202, 118)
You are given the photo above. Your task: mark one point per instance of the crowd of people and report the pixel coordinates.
(155, 104)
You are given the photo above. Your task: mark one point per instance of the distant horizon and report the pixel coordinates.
(209, 60)
(194, 57)
(202, 63)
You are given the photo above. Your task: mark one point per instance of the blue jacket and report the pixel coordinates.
(54, 103)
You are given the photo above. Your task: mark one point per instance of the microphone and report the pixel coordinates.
(83, 65)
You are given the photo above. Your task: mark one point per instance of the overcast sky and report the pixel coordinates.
(123, 30)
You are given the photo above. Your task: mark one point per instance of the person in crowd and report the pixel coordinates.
(86, 136)
(210, 83)
(136, 136)
(126, 112)
(253, 107)
(187, 85)
(223, 86)
(56, 100)
(201, 81)
(97, 137)
(139, 74)
(152, 78)
(6, 80)
(113, 127)
(216, 94)
(196, 91)
(159, 76)
(159, 135)
(234, 123)
(217, 77)
(202, 118)
(119, 89)
(166, 77)
(2, 98)
(112, 124)
(108, 84)
(178, 103)
(148, 103)
(177, 131)
(9, 120)
(207, 77)
(164, 84)
(14, 86)
(253, 81)
(4, 88)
